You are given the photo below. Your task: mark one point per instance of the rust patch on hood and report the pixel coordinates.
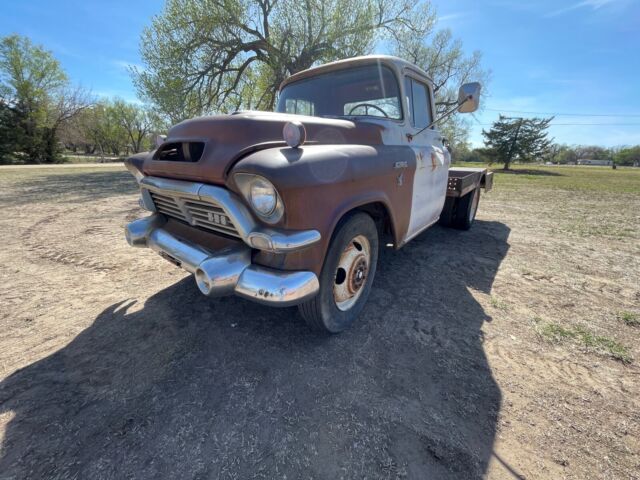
(229, 137)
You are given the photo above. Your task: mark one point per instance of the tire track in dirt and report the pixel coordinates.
(41, 244)
(549, 369)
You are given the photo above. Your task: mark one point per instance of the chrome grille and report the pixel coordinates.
(198, 213)
(168, 205)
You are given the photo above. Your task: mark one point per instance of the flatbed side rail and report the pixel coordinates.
(464, 180)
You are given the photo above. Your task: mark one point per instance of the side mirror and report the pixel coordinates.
(469, 97)
(160, 140)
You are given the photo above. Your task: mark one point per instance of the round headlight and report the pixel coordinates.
(294, 134)
(263, 196)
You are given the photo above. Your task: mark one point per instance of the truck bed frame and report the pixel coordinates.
(463, 180)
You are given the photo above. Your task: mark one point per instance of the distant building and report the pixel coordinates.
(603, 163)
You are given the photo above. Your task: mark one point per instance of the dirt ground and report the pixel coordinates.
(509, 351)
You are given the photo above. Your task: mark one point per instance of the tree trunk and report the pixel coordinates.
(50, 150)
(513, 145)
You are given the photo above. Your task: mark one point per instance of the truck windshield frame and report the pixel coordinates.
(359, 91)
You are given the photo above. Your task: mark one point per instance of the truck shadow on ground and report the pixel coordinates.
(188, 387)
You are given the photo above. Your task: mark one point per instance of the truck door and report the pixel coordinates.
(432, 159)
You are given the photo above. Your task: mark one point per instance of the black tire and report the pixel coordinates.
(466, 209)
(321, 312)
(448, 212)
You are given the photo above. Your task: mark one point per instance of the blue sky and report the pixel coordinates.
(565, 56)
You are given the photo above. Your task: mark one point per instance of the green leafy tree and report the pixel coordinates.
(455, 129)
(135, 120)
(35, 88)
(202, 56)
(479, 155)
(564, 155)
(443, 57)
(628, 156)
(519, 139)
(8, 127)
(28, 76)
(103, 129)
(592, 152)
(113, 127)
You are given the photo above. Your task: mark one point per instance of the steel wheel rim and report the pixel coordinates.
(352, 272)
(474, 205)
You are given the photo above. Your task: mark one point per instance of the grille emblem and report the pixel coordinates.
(217, 218)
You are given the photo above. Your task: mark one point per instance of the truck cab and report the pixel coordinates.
(290, 207)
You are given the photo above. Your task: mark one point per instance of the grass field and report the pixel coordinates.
(569, 177)
(511, 350)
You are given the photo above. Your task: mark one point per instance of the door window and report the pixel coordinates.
(419, 101)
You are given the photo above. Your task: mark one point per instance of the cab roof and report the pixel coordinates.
(396, 63)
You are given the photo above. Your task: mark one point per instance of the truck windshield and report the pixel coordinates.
(370, 90)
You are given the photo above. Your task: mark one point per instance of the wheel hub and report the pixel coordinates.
(351, 272)
(358, 274)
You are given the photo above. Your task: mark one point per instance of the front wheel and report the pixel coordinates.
(347, 275)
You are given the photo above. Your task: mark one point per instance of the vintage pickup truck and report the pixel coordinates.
(290, 207)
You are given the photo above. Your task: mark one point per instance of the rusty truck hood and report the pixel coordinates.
(228, 138)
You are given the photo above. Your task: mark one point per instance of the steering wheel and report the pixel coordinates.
(366, 109)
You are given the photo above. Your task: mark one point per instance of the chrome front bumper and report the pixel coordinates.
(224, 272)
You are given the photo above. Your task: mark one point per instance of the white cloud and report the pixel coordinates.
(124, 65)
(449, 17)
(592, 4)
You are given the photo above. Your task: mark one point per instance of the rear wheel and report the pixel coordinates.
(466, 210)
(448, 212)
(346, 277)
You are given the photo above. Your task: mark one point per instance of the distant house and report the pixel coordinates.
(588, 161)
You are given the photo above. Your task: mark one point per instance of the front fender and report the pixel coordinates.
(320, 183)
